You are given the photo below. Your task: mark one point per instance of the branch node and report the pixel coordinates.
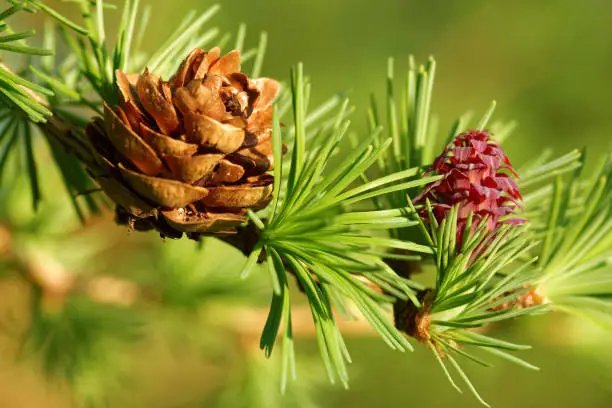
(412, 320)
(534, 297)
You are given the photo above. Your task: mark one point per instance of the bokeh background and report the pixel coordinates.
(547, 63)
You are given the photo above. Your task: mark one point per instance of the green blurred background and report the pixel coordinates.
(546, 63)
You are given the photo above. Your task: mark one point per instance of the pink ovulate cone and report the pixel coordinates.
(479, 178)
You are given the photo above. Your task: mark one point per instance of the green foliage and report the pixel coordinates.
(17, 94)
(575, 254)
(23, 105)
(338, 214)
(409, 127)
(312, 232)
(471, 284)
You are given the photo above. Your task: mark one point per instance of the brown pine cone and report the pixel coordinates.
(189, 154)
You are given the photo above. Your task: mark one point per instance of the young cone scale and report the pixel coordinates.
(479, 178)
(189, 154)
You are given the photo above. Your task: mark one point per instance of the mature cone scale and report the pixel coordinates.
(479, 178)
(189, 154)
